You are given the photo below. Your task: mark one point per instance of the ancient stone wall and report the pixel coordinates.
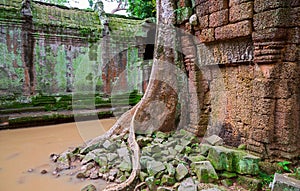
(50, 49)
(244, 72)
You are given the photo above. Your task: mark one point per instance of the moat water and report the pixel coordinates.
(24, 153)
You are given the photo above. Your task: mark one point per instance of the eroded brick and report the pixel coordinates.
(263, 5)
(202, 9)
(241, 12)
(203, 22)
(207, 35)
(217, 5)
(283, 17)
(219, 18)
(236, 2)
(240, 29)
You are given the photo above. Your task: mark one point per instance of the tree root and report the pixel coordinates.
(139, 185)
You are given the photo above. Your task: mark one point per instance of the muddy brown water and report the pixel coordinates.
(30, 148)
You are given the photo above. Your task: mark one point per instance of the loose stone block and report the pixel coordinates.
(250, 183)
(188, 185)
(205, 171)
(181, 172)
(153, 167)
(221, 158)
(283, 182)
(233, 160)
(214, 140)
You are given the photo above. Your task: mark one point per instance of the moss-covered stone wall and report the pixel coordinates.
(54, 49)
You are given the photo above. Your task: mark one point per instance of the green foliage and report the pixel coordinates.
(57, 2)
(266, 178)
(142, 8)
(285, 165)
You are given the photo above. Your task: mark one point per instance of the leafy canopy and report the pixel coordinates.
(142, 8)
(57, 2)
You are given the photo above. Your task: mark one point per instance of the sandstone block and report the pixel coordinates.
(262, 5)
(218, 18)
(241, 12)
(203, 22)
(240, 29)
(236, 2)
(217, 5)
(269, 34)
(207, 35)
(233, 160)
(202, 9)
(197, 2)
(205, 171)
(281, 17)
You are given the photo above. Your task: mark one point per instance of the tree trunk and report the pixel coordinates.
(157, 109)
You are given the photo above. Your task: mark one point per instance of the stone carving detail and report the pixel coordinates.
(99, 8)
(231, 52)
(26, 10)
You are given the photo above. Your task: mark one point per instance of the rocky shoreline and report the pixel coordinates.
(169, 161)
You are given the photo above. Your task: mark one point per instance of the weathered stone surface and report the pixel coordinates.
(217, 5)
(203, 22)
(221, 158)
(125, 166)
(241, 12)
(63, 161)
(154, 167)
(228, 175)
(89, 188)
(111, 156)
(101, 160)
(144, 160)
(187, 185)
(283, 182)
(181, 172)
(202, 9)
(150, 182)
(168, 180)
(205, 171)
(218, 18)
(214, 140)
(170, 169)
(246, 163)
(240, 29)
(207, 35)
(250, 183)
(261, 5)
(237, 2)
(282, 17)
(197, 158)
(233, 160)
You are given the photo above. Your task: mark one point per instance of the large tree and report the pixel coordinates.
(158, 109)
(161, 97)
